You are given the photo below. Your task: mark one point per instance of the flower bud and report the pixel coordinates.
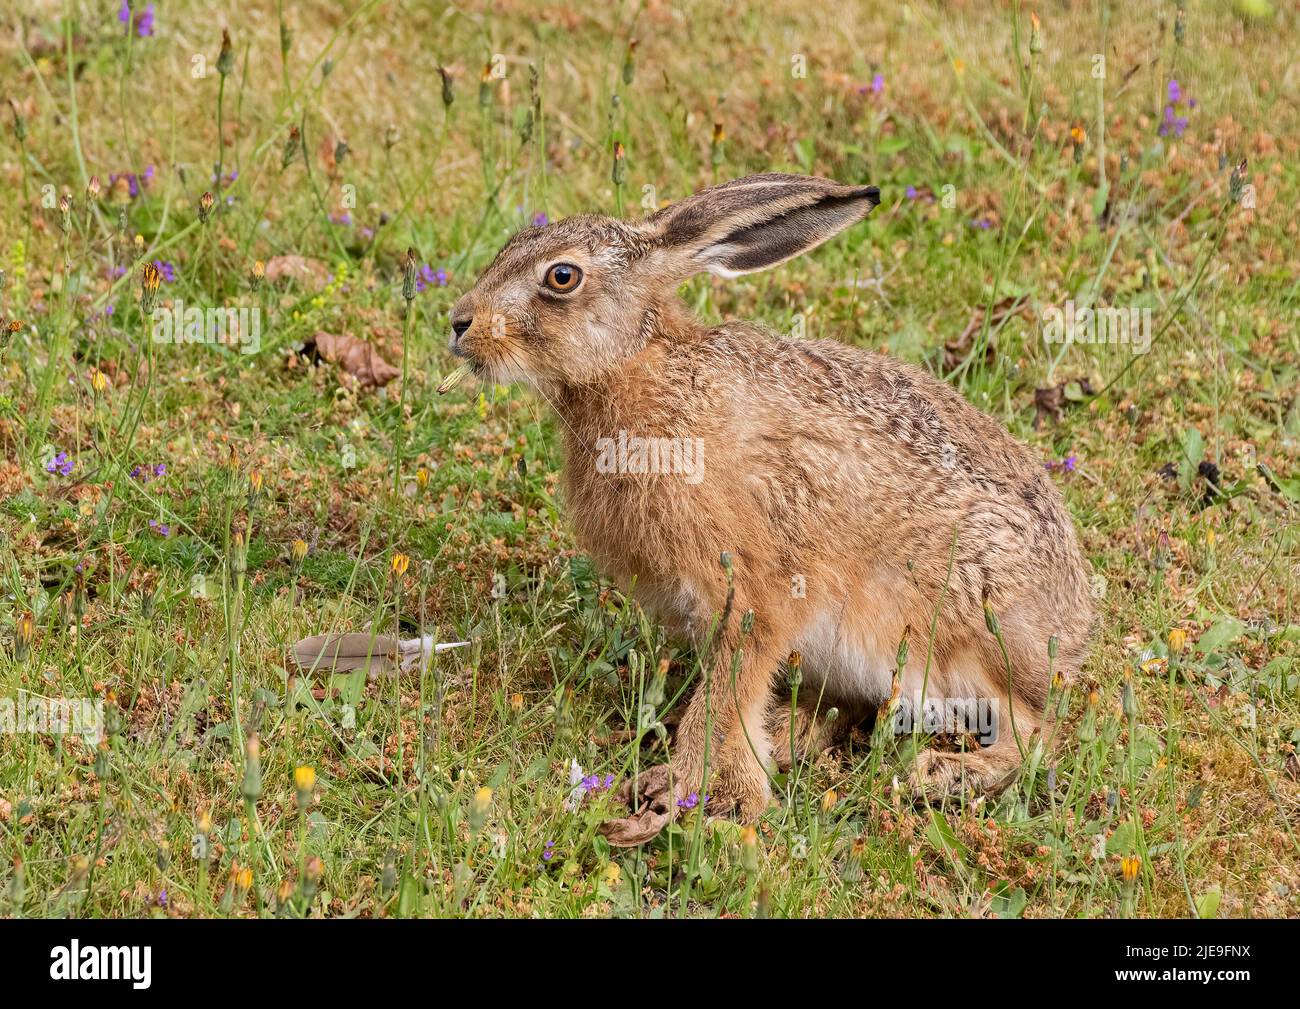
(447, 95)
(409, 265)
(151, 279)
(226, 58)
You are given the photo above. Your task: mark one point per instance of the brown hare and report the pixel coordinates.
(856, 497)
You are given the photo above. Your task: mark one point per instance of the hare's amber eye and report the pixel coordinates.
(563, 277)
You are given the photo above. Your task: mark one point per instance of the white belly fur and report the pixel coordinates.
(847, 670)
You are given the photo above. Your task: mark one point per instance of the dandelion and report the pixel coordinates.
(206, 202)
(99, 381)
(749, 849)
(252, 785)
(400, 563)
(255, 481)
(290, 148)
(23, 635)
(1035, 34)
(1129, 867)
(408, 275)
(151, 278)
(479, 807)
(1177, 641)
(629, 62)
(516, 703)
(619, 172)
(829, 798)
(298, 550)
(226, 58)
(422, 478)
(244, 879)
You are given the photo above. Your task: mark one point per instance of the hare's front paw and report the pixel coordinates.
(739, 789)
(653, 798)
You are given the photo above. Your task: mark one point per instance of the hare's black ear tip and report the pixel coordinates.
(872, 193)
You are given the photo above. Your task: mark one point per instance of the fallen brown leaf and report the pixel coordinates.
(359, 359)
(299, 268)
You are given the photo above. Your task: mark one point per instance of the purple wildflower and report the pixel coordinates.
(60, 464)
(910, 192)
(1173, 123)
(690, 802)
(877, 84)
(343, 218)
(540, 220)
(983, 224)
(143, 21)
(161, 528)
(162, 898)
(429, 277)
(167, 270)
(548, 851)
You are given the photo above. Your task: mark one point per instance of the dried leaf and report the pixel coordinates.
(300, 268)
(358, 359)
(656, 807)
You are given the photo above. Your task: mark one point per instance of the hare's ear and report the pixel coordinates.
(756, 222)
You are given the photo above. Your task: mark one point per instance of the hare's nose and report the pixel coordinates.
(459, 327)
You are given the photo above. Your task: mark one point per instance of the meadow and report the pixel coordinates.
(178, 508)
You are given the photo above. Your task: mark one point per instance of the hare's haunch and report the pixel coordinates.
(858, 498)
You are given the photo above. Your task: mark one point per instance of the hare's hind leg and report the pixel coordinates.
(802, 733)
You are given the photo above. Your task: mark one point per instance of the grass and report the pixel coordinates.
(1013, 179)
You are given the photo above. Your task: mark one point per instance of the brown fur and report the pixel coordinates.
(872, 484)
